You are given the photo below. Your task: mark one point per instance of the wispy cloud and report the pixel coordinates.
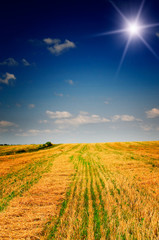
(6, 78)
(157, 34)
(51, 41)
(106, 102)
(70, 82)
(56, 47)
(43, 121)
(65, 119)
(3, 130)
(124, 118)
(31, 105)
(7, 124)
(36, 42)
(58, 94)
(81, 119)
(12, 62)
(25, 62)
(57, 114)
(146, 127)
(9, 62)
(18, 105)
(32, 132)
(153, 113)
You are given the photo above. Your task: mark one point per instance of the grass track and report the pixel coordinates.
(113, 192)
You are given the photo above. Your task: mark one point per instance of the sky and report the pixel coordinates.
(62, 78)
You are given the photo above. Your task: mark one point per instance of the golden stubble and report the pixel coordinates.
(113, 194)
(26, 216)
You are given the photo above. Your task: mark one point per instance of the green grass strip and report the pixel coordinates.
(53, 230)
(57, 224)
(104, 213)
(22, 180)
(96, 218)
(85, 217)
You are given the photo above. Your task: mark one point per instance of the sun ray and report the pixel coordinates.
(134, 30)
(111, 32)
(149, 25)
(118, 10)
(148, 46)
(124, 55)
(140, 10)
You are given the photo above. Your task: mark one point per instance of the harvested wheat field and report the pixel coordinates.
(80, 191)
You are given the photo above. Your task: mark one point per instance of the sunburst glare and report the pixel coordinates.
(134, 30)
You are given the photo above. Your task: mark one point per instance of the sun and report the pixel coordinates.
(133, 29)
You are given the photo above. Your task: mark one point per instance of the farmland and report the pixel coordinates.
(80, 191)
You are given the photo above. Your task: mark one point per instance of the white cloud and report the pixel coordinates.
(124, 118)
(65, 119)
(7, 77)
(58, 114)
(127, 118)
(25, 62)
(146, 127)
(70, 82)
(106, 102)
(13, 62)
(84, 113)
(33, 132)
(47, 131)
(51, 41)
(157, 34)
(43, 121)
(58, 94)
(23, 134)
(59, 48)
(7, 124)
(3, 130)
(18, 105)
(115, 118)
(153, 113)
(81, 119)
(9, 62)
(31, 105)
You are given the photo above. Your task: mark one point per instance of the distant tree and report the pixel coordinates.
(48, 144)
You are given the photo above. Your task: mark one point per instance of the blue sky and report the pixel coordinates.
(58, 77)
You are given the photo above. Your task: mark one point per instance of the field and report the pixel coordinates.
(80, 191)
